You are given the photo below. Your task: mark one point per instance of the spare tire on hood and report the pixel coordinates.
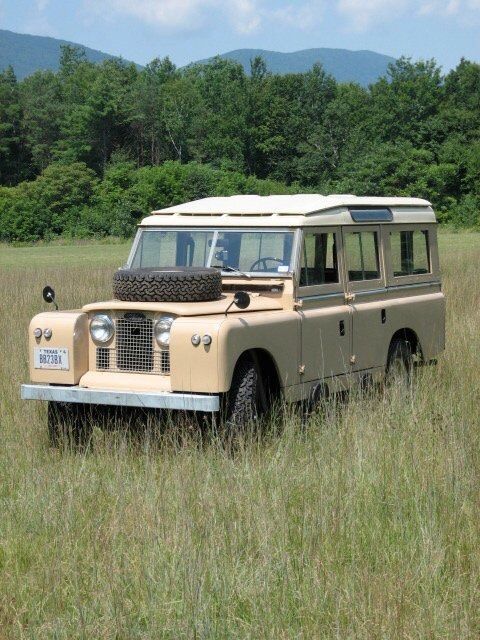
(171, 284)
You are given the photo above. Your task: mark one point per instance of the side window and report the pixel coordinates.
(410, 253)
(319, 259)
(361, 248)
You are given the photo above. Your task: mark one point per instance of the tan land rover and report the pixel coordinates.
(228, 303)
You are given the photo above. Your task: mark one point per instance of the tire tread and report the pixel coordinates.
(154, 285)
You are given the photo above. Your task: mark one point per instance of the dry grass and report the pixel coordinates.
(364, 525)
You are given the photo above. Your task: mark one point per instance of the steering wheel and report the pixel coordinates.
(264, 262)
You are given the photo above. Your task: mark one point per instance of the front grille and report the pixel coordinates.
(135, 349)
(107, 360)
(134, 343)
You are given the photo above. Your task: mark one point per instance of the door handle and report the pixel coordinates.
(341, 327)
(383, 315)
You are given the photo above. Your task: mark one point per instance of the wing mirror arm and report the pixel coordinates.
(241, 299)
(48, 295)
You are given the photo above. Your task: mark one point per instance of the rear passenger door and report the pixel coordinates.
(366, 293)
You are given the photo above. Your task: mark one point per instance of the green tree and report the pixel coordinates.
(161, 135)
(219, 136)
(405, 103)
(339, 137)
(98, 109)
(12, 151)
(49, 205)
(150, 146)
(43, 111)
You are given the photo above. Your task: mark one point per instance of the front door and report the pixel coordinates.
(326, 318)
(365, 286)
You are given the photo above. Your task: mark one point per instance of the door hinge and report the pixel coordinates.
(353, 359)
(301, 369)
(298, 304)
(349, 298)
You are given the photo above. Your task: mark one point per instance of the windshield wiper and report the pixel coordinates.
(231, 269)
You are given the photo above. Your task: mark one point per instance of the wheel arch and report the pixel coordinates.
(267, 366)
(408, 335)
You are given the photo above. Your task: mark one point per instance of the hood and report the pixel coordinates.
(258, 302)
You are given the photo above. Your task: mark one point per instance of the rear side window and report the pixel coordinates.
(319, 260)
(410, 253)
(362, 255)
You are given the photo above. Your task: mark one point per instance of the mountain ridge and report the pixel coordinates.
(363, 66)
(28, 53)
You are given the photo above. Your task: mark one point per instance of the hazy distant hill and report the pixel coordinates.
(344, 65)
(28, 53)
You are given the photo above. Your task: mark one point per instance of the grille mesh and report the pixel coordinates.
(135, 348)
(134, 343)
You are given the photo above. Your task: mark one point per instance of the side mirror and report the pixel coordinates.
(241, 299)
(49, 296)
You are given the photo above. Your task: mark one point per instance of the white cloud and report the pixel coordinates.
(462, 10)
(244, 15)
(37, 22)
(443, 7)
(361, 14)
(248, 16)
(172, 13)
(305, 16)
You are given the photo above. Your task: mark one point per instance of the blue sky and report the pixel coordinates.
(188, 30)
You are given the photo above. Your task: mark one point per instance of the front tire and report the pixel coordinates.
(67, 424)
(246, 401)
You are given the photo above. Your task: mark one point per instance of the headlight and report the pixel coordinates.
(101, 328)
(162, 330)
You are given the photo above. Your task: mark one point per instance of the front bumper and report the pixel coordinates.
(149, 400)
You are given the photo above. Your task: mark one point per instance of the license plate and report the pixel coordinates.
(55, 358)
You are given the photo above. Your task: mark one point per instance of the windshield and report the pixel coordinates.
(259, 251)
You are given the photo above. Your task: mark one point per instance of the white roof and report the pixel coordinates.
(284, 211)
(301, 204)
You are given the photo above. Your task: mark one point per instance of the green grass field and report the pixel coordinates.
(363, 525)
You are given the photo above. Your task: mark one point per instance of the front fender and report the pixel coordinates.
(277, 333)
(209, 369)
(194, 368)
(69, 331)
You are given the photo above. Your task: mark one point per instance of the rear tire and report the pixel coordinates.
(400, 361)
(67, 424)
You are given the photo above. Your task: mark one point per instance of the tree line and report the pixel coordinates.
(92, 148)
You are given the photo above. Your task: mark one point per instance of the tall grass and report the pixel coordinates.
(363, 523)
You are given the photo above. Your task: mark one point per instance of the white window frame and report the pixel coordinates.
(432, 254)
(365, 285)
(305, 291)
